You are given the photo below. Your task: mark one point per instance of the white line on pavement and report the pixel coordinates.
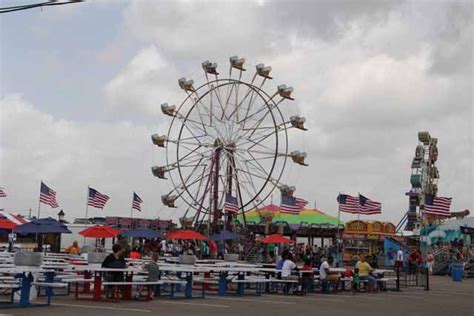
(194, 304)
(104, 307)
(255, 300)
(365, 297)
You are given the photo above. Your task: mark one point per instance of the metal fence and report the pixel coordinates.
(414, 278)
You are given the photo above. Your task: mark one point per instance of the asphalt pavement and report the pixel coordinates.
(445, 298)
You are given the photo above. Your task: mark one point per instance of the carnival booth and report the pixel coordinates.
(365, 238)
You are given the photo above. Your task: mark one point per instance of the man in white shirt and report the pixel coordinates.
(326, 274)
(288, 266)
(399, 262)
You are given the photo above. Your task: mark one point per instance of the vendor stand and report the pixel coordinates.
(365, 238)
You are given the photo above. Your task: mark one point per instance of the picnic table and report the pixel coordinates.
(97, 280)
(26, 280)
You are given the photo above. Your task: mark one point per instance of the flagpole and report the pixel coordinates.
(87, 202)
(39, 203)
(358, 219)
(131, 210)
(338, 229)
(39, 208)
(87, 211)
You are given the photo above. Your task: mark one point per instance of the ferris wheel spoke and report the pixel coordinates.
(200, 186)
(259, 121)
(253, 197)
(247, 93)
(258, 138)
(228, 96)
(200, 115)
(186, 156)
(211, 113)
(191, 149)
(251, 183)
(257, 166)
(197, 124)
(188, 128)
(188, 183)
(270, 150)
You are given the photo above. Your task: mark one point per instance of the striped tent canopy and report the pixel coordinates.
(16, 219)
(308, 216)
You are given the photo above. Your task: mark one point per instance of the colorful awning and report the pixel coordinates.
(306, 216)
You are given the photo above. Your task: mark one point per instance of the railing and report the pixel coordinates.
(418, 277)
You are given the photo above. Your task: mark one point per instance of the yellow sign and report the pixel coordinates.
(357, 226)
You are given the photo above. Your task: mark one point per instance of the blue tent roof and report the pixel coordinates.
(42, 226)
(224, 235)
(142, 233)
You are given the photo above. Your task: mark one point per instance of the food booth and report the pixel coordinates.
(365, 238)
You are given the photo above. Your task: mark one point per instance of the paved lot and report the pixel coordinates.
(445, 298)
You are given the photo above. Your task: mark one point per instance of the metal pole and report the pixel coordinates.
(338, 231)
(87, 202)
(39, 202)
(358, 219)
(87, 211)
(36, 236)
(131, 211)
(216, 190)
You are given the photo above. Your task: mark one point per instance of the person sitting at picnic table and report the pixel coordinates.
(307, 274)
(288, 267)
(325, 273)
(115, 260)
(74, 249)
(279, 262)
(153, 273)
(365, 269)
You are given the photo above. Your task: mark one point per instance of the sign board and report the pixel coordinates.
(357, 226)
(377, 227)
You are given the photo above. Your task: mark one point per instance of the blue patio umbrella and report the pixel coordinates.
(224, 235)
(42, 226)
(142, 233)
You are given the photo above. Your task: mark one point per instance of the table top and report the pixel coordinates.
(19, 269)
(100, 269)
(379, 271)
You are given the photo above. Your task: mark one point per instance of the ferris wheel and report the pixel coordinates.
(227, 142)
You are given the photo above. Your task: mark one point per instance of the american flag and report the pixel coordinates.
(348, 203)
(438, 206)
(291, 204)
(48, 196)
(136, 202)
(231, 205)
(369, 207)
(3, 193)
(97, 199)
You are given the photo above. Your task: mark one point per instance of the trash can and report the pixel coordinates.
(457, 272)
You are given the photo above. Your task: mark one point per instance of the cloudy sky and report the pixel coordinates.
(81, 87)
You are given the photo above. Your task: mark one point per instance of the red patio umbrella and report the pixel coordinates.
(6, 224)
(276, 239)
(99, 231)
(185, 235)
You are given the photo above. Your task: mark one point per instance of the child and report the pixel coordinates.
(307, 279)
(153, 274)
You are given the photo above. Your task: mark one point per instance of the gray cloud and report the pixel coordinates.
(368, 75)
